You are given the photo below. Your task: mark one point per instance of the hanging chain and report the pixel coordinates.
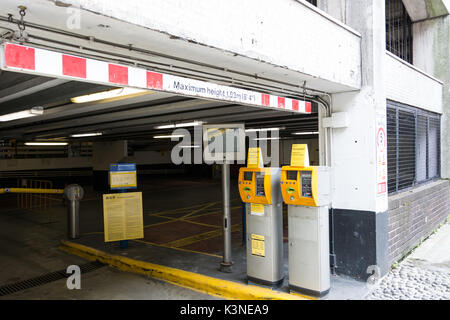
(21, 23)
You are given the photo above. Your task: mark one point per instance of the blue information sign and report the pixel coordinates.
(122, 176)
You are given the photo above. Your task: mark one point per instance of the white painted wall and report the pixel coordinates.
(288, 34)
(286, 40)
(407, 84)
(354, 150)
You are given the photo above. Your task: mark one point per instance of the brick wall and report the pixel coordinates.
(414, 214)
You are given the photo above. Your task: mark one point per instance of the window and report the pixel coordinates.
(398, 30)
(313, 2)
(413, 146)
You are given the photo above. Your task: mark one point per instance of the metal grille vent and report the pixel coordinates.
(46, 278)
(398, 30)
(413, 137)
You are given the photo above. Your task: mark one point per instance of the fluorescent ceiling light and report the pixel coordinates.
(82, 135)
(169, 136)
(260, 139)
(305, 133)
(35, 111)
(263, 129)
(189, 147)
(46, 143)
(114, 93)
(180, 125)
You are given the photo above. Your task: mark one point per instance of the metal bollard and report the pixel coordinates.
(73, 193)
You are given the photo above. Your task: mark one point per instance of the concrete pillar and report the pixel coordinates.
(103, 154)
(359, 211)
(431, 53)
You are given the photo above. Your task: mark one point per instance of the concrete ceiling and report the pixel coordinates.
(132, 118)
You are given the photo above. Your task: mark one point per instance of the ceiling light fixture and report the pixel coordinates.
(83, 135)
(46, 143)
(114, 93)
(180, 125)
(262, 139)
(169, 136)
(305, 133)
(35, 111)
(263, 129)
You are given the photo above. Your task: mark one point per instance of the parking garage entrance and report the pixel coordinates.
(65, 118)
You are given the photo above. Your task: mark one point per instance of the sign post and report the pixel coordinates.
(122, 177)
(224, 144)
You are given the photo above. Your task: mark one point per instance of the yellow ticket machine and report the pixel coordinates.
(259, 188)
(306, 191)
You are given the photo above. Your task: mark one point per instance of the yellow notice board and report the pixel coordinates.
(258, 245)
(300, 155)
(122, 216)
(122, 179)
(254, 159)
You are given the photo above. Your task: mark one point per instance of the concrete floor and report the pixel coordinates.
(110, 284)
(29, 245)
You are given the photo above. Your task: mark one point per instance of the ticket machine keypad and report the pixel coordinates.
(306, 184)
(259, 182)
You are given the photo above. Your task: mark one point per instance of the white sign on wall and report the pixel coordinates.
(381, 156)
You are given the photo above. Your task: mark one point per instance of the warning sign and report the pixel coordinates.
(258, 245)
(381, 155)
(122, 216)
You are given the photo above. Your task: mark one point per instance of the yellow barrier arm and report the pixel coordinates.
(31, 190)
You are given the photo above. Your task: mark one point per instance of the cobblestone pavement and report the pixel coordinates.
(410, 281)
(424, 275)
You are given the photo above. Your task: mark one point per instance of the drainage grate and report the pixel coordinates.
(46, 278)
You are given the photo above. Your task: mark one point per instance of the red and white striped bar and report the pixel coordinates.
(48, 63)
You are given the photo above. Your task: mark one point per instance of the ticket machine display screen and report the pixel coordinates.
(305, 177)
(259, 182)
(248, 176)
(291, 175)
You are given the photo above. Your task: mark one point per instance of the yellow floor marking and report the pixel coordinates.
(179, 219)
(198, 210)
(160, 223)
(171, 219)
(202, 224)
(213, 286)
(175, 210)
(184, 208)
(179, 249)
(161, 245)
(200, 237)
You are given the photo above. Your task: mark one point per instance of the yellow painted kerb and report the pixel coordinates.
(213, 286)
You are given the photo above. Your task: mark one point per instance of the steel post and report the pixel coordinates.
(225, 265)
